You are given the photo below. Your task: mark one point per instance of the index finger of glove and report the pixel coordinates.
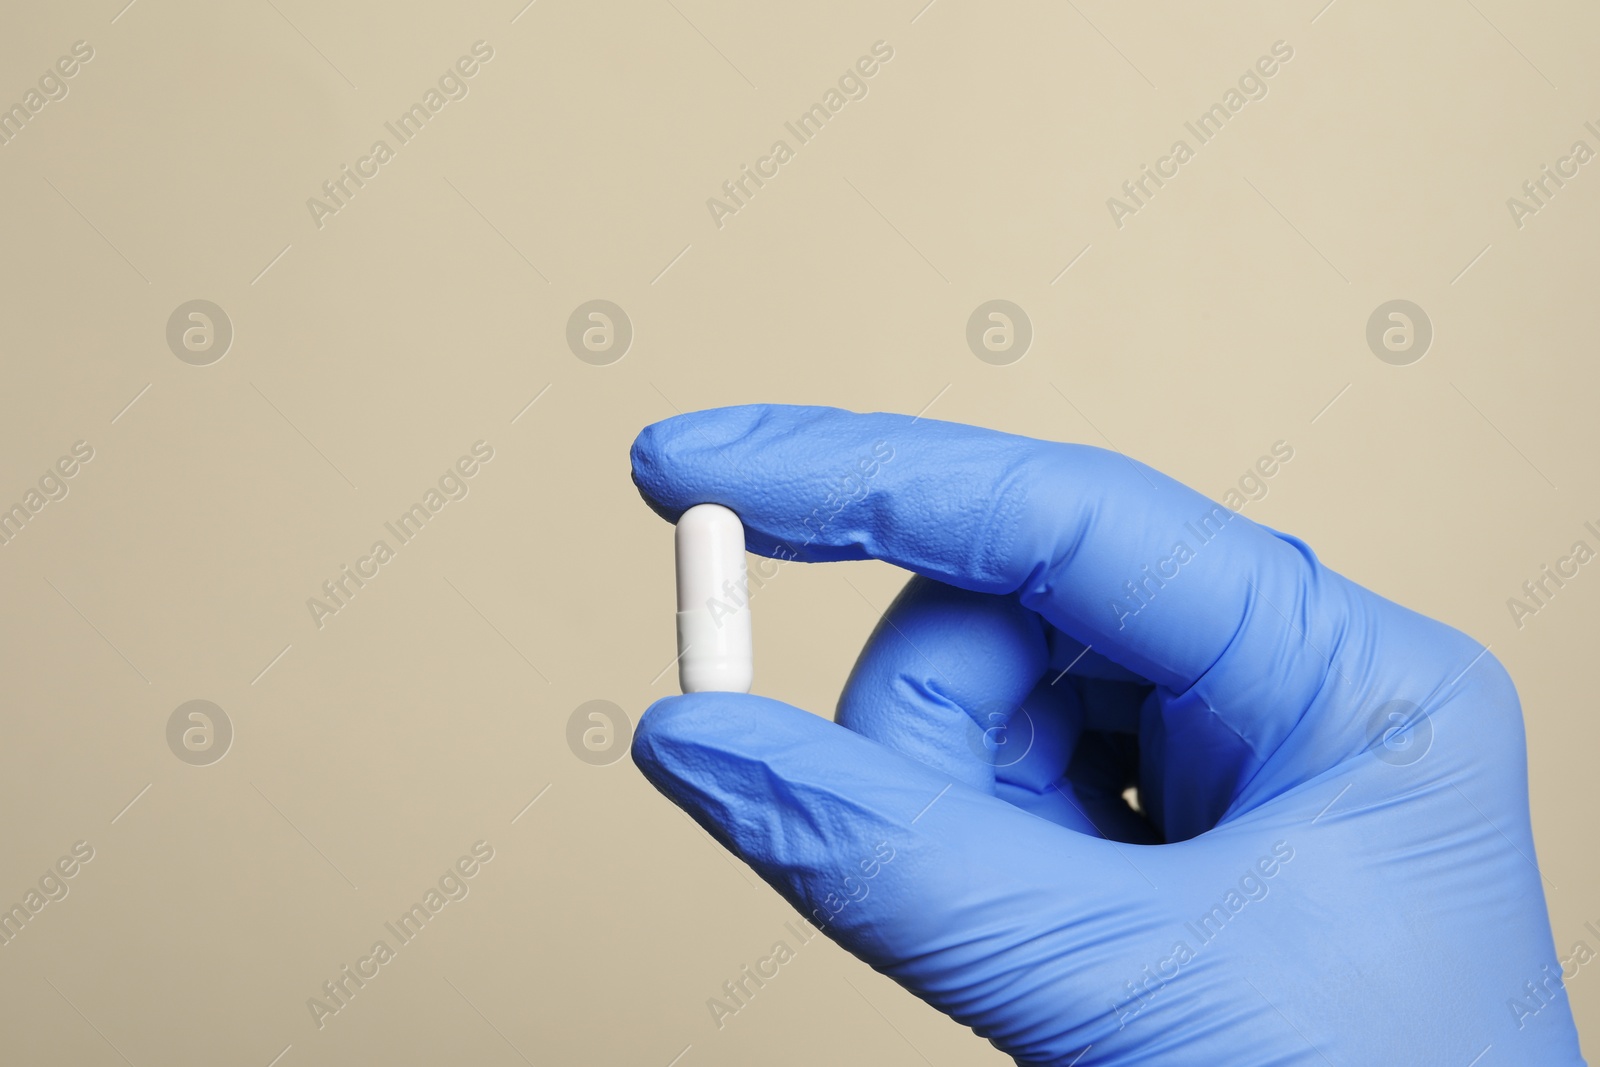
(1133, 564)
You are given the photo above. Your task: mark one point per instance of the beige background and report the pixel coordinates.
(368, 354)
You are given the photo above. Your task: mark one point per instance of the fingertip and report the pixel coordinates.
(669, 724)
(652, 723)
(678, 735)
(669, 457)
(648, 461)
(691, 459)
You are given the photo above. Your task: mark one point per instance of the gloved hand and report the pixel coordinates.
(1330, 863)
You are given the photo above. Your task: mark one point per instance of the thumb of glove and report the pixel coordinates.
(930, 881)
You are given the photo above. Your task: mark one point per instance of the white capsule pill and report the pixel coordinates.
(714, 647)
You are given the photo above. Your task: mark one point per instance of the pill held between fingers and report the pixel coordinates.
(714, 646)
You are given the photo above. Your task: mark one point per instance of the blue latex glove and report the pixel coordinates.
(1331, 862)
